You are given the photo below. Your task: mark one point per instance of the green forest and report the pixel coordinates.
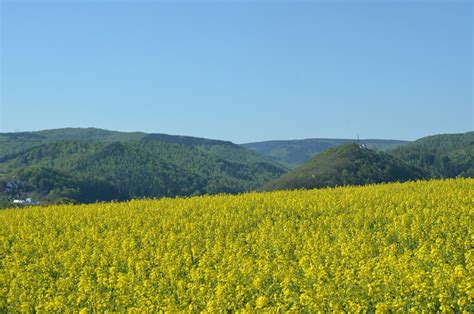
(56, 168)
(442, 156)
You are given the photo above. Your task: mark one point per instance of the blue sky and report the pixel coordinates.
(239, 70)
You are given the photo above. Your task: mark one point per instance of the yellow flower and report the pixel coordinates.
(261, 302)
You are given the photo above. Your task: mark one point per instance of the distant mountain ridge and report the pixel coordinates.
(295, 152)
(185, 140)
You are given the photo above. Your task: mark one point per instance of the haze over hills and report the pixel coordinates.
(296, 152)
(347, 164)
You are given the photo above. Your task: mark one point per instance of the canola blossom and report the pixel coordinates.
(401, 247)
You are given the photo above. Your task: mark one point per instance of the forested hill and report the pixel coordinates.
(125, 165)
(442, 156)
(11, 143)
(437, 156)
(348, 164)
(295, 152)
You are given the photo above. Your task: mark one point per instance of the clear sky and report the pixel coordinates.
(239, 70)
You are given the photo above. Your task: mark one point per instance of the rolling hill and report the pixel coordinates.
(347, 164)
(11, 143)
(442, 156)
(134, 164)
(295, 152)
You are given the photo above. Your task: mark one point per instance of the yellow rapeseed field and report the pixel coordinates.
(400, 247)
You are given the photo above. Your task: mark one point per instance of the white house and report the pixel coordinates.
(26, 201)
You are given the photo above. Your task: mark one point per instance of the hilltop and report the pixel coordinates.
(441, 155)
(347, 164)
(295, 152)
(11, 143)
